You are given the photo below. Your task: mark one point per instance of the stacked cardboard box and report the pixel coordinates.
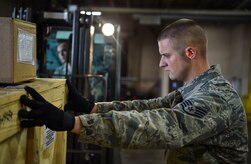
(17, 50)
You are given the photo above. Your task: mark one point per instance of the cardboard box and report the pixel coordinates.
(18, 50)
(37, 145)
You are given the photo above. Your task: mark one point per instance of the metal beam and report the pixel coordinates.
(228, 15)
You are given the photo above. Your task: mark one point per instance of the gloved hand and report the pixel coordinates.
(76, 101)
(43, 113)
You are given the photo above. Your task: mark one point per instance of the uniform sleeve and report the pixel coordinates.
(190, 121)
(168, 101)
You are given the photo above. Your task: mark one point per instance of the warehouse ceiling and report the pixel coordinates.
(236, 10)
(230, 5)
(139, 6)
(130, 13)
(169, 4)
(232, 8)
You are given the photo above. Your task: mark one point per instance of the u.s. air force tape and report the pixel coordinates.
(189, 108)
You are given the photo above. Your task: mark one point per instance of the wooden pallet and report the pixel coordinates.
(34, 145)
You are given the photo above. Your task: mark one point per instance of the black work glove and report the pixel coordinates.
(76, 102)
(43, 113)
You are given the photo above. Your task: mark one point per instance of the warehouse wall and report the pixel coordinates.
(143, 59)
(229, 45)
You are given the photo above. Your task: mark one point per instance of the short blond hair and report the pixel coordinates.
(184, 32)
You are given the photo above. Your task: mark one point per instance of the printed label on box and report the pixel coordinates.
(25, 47)
(49, 137)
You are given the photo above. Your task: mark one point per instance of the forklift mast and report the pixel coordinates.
(84, 75)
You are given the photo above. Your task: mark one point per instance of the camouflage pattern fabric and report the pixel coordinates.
(203, 122)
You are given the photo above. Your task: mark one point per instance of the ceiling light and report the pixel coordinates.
(108, 29)
(88, 13)
(95, 13)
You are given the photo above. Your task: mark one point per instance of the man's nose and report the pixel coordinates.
(161, 62)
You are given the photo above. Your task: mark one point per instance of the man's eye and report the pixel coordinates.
(167, 55)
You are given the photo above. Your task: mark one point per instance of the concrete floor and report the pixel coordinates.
(142, 156)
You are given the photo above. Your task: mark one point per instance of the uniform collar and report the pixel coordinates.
(200, 80)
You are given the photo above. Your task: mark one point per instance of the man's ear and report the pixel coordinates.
(190, 52)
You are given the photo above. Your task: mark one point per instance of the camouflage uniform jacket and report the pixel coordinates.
(203, 122)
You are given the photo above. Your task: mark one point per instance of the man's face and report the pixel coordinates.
(62, 53)
(172, 61)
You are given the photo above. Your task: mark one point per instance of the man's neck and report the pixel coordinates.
(196, 70)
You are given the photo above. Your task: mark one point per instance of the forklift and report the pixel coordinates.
(95, 66)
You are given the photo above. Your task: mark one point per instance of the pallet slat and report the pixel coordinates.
(26, 146)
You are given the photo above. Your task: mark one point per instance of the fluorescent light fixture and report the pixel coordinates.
(82, 12)
(95, 13)
(88, 13)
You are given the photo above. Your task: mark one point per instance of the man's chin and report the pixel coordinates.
(171, 77)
